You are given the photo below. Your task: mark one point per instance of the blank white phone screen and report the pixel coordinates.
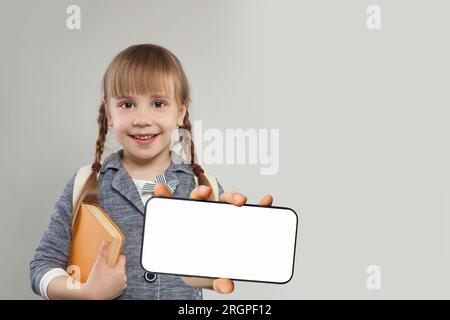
(220, 240)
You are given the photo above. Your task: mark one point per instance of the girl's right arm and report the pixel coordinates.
(51, 257)
(103, 283)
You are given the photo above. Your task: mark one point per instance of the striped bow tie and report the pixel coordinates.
(150, 186)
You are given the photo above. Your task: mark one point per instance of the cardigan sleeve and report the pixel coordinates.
(53, 249)
(220, 187)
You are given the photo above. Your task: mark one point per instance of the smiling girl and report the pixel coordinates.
(145, 100)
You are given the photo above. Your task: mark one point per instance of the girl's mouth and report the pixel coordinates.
(145, 139)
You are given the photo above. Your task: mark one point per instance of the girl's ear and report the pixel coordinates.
(108, 115)
(182, 114)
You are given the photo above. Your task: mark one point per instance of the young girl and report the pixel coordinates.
(145, 98)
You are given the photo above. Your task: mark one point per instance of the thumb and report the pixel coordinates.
(103, 252)
(121, 262)
(161, 190)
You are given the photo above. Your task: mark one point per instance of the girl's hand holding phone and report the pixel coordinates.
(219, 285)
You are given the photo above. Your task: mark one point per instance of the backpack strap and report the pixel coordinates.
(80, 179)
(214, 185)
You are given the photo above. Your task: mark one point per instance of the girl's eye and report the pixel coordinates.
(159, 104)
(127, 104)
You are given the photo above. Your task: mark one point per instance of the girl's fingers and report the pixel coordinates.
(121, 262)
(103, 252)
(222, 285)
(201, 193)
(162, 191)
(266, 201)
(233, 197)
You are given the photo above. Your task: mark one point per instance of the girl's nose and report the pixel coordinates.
(141, 121)
(143, 117)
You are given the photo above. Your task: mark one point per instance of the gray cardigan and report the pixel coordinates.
(119, 197)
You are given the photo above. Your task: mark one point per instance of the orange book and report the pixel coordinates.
(91, 227)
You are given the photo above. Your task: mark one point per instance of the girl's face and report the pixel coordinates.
(140, 115)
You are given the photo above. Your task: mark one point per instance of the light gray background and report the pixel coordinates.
(363, 118)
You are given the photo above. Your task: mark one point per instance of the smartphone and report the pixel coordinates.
(196, 238)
